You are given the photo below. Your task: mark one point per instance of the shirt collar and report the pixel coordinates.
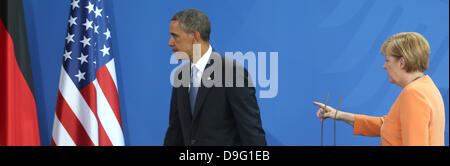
(201, 63)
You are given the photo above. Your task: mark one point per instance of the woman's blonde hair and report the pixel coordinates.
(412, 46)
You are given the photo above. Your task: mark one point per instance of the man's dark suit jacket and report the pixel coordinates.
(223, 116)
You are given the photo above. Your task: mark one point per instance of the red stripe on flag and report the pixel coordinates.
(71, 123)
(53, 143)
(103, 139)
(106, 82)
(90, 96)
(18, 117)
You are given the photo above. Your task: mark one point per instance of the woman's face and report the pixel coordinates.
(394, 68)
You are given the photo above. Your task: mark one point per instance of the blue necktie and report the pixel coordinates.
(193, 88)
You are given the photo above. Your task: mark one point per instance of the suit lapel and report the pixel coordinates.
(183, 97)
(185, 114)
(183, 103)
(184, 111)
(203, 91)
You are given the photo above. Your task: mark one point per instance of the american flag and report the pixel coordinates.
(87, 110)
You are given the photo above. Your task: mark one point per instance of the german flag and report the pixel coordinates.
(18, 116)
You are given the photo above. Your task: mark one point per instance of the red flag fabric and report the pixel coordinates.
(18, 117)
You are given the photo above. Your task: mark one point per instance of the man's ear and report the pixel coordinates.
(197, 37)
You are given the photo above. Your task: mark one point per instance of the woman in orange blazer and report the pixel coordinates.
(417, 117)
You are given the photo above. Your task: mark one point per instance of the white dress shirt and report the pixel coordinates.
(201, 64)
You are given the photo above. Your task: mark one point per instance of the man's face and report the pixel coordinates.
(180, 41)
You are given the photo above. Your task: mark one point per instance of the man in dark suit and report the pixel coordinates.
(216, 106)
